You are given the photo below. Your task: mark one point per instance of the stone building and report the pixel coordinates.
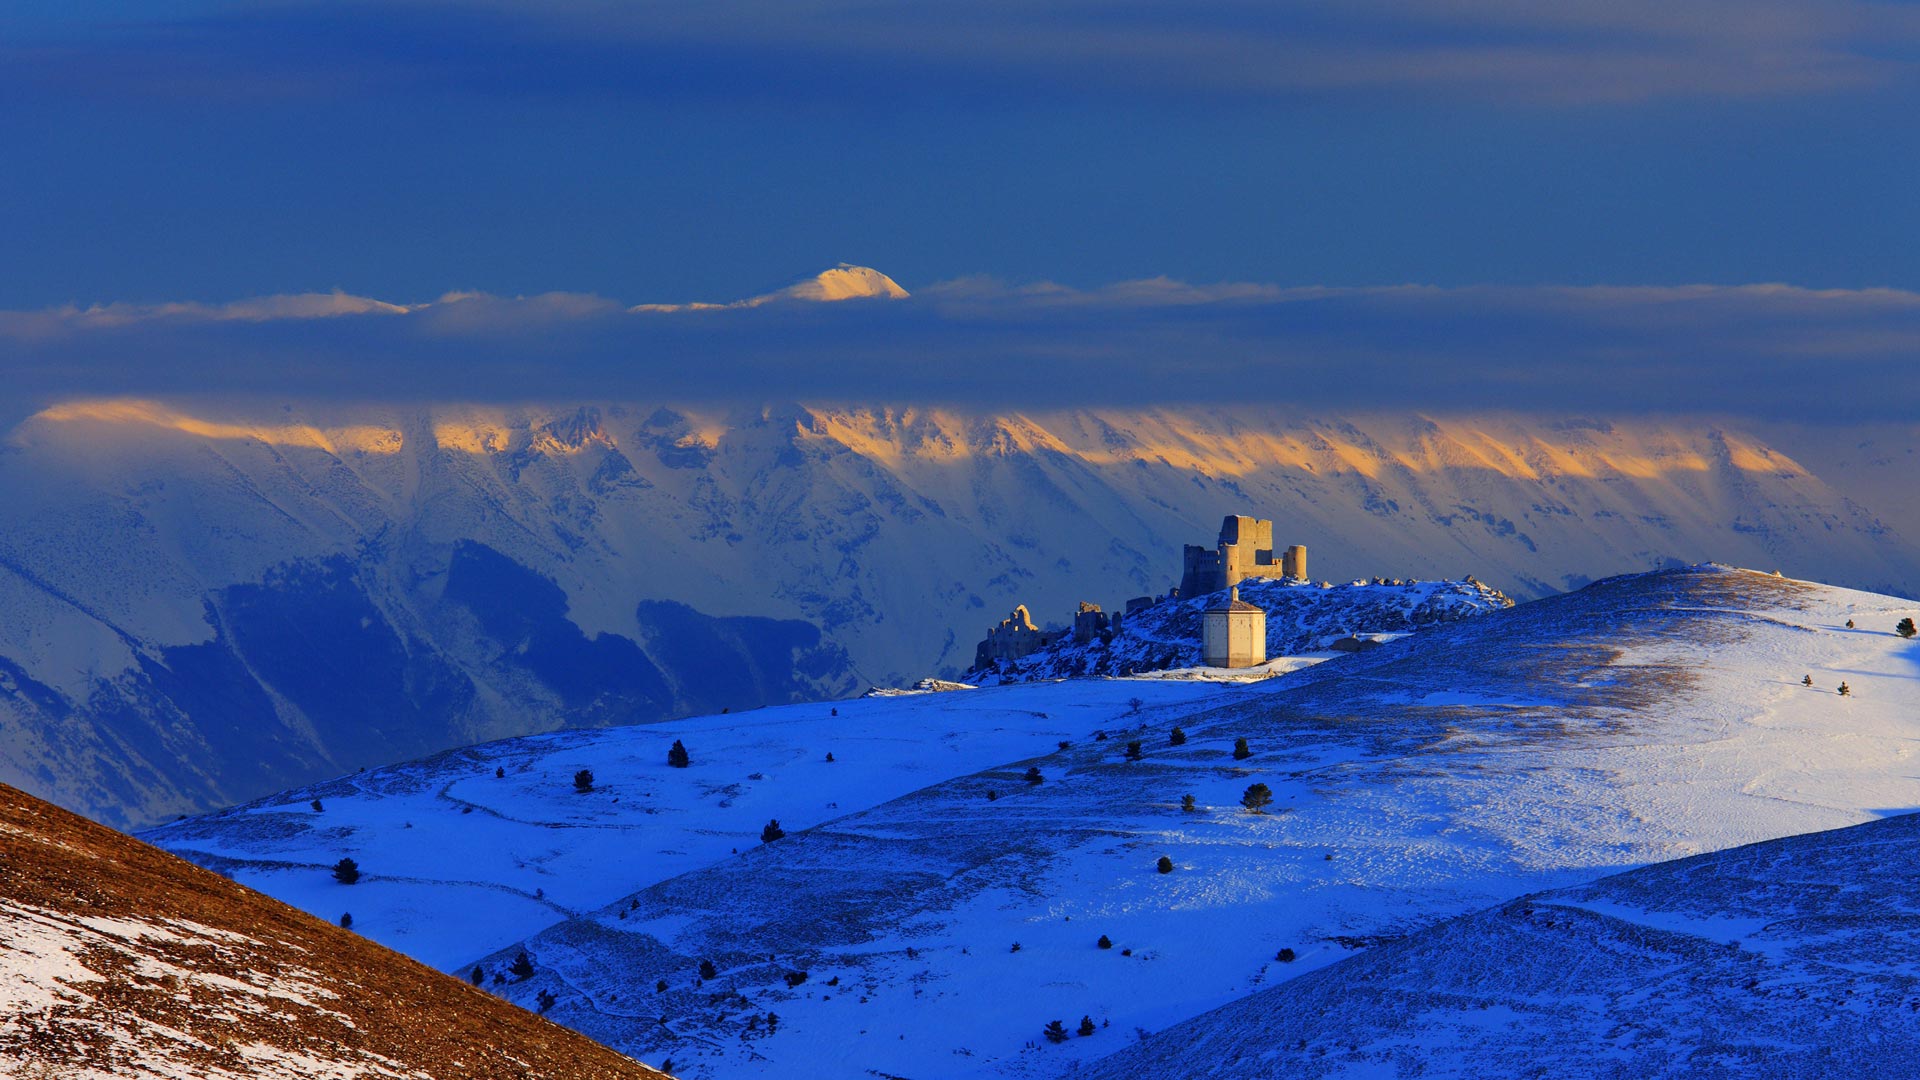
(1090, 622)
(1244, 550)
(1234, 634)
(1016, 638)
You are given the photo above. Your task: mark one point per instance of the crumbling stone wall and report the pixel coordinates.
(1014, 639)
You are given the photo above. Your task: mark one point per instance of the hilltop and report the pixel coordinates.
(119, 960)
(1301, 618)
(1539, 747)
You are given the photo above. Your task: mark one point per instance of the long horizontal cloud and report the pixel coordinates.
(1504, 50)
(1764, 350)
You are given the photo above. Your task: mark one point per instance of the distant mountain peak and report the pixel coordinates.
(844, 282)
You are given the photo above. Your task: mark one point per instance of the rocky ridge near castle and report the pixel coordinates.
(1302, 617)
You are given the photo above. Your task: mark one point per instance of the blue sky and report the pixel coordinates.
(1495, 151)
(654, 151)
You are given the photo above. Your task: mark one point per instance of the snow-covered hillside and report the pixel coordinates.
(202, 602)
(1791, 959)
(472, 850)
(1642, 719)
(120, 961)
(1301, 618)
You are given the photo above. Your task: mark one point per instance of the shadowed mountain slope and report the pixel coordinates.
(119, 960)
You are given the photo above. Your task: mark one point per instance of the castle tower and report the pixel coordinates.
(1244, 550)
(1293, 562)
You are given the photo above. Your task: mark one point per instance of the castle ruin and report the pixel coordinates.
(1235, 633)
(1016, 638)
(1244, 550)
(1090, 622)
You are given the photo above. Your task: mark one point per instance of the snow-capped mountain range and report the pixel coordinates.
(959, 869)
(201, 602)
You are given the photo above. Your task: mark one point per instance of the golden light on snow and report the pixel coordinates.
(843, 282)
(357, 438)
(1246, 446)
(1514, 450)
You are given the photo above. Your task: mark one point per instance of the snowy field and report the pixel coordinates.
(457, 861)
(1791, 960)
(1641, 720)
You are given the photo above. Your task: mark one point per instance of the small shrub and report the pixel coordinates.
(1126, 952)
(1133, 750)
(317, 808)
(1844, 690)
(583, 780)
(1806, 680)
(499, 772)
(795, 978)
(835, 981)
(1134, 704)
(660, 987)
(1905, 628)
(1240, 750)
(1016, 947)
(1285, 956)
(346, 871)
(772, 832)
(1086, 1026)
(677, 755)
(522, 966)
(1055, 1031)
(346, 920)
(479, 976)
(1065, 745)
(1105, 942)
(1177, 737)
(1033, 775)
(992, 795)
(1849, 624)
(1256, 798)
(1099, 736)
(1165, 864)
(1186, 803)
(546, 999)
(773, 1021)
(829, 755)
(708, 971)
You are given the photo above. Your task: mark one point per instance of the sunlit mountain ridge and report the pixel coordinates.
(464, 572)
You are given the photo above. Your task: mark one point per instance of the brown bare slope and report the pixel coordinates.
(117, 959)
